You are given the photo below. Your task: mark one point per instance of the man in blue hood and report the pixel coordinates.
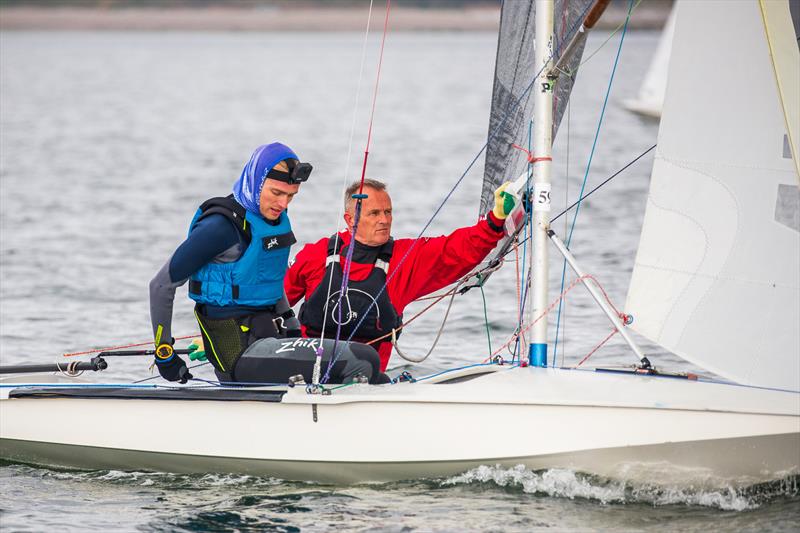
(235, 258)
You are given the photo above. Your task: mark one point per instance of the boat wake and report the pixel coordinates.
(143, 478)
(563, 483)
(555, 483)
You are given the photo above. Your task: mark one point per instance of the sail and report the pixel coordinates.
(717, 274)
(650, 99)
(782, 24)
(512, 100)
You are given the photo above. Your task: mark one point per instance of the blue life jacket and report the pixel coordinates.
(256, 278)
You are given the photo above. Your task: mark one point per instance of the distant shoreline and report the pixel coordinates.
(282, 18)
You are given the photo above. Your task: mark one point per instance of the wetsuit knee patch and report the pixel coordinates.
(223, 339)
(368, 354)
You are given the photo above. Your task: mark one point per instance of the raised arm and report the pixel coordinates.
(437, 262)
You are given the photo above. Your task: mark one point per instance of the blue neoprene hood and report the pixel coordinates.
(247, 190)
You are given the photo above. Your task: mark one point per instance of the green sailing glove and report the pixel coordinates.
(197, 351)
(503, 202)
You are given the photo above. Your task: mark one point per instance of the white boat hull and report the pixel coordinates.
(618, 426)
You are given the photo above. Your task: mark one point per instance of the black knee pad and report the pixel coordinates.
(368, 354)
(275, 360)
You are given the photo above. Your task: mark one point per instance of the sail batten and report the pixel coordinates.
(717, 274)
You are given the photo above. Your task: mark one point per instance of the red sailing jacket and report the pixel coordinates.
(433, 263)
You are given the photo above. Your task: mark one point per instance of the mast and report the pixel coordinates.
(542, 163)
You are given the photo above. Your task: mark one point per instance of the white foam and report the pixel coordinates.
(564, 483)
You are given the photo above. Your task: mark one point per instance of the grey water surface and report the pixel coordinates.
(109, 142)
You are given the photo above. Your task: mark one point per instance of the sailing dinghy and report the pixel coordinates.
(715, 281)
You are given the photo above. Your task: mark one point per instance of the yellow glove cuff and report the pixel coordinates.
(503, 202)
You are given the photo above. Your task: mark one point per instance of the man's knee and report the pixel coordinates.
(368, 354)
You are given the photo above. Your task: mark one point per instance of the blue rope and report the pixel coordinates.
(158, 376)
(86, 386)
(700, 379)
(588, 167)
(528, 227)
(572, 31)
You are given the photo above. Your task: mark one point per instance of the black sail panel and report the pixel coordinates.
(512, 94)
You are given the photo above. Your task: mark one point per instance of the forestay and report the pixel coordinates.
(716, 278)
(514, 73)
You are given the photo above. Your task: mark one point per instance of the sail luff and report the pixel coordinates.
(512, 95)
(777, 19)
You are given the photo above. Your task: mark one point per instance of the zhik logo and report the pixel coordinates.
(289, 346)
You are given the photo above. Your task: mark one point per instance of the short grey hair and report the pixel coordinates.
(356, 185)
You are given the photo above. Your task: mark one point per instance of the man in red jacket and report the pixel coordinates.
(430, 264)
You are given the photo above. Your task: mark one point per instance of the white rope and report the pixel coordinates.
(340, 216)
(566, 228)
(419, 359)
(69, 371)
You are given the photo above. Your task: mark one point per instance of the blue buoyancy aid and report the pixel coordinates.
(256, 278)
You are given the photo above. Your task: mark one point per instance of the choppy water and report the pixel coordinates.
(109, 141)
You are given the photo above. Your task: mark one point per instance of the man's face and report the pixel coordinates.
(275, 197)
(375, 223)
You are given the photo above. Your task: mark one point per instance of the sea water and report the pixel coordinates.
(109, 142)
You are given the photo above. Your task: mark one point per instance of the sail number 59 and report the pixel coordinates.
(541, 195)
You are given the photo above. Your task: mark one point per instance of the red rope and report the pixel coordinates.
(572, 285)
(375, 96)
(108, 349)
(531, 158)
(546, 311)
(413, 318)
(588, 355)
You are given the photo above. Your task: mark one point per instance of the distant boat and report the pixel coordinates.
(650, 99)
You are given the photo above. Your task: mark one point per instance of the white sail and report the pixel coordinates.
(717, 273)
(650, 99)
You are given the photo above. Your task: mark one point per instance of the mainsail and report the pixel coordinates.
(717, 273)
(512, 95)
